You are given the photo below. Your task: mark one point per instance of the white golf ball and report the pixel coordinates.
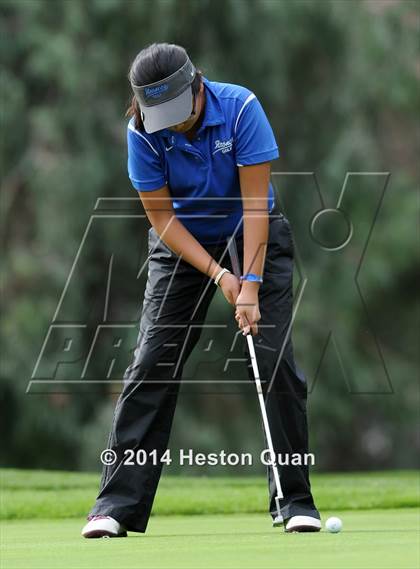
(333, 525)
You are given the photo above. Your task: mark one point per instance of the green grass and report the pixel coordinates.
(371, 539)
(211, 523)
(54, 494)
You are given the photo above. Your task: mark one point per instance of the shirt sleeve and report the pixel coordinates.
(254, 137)
(144, 164)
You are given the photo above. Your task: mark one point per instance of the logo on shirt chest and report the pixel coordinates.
(223, 146)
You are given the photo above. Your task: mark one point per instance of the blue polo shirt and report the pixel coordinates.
(202, 175)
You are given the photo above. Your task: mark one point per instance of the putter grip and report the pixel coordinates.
(234, 257)
(236, 267)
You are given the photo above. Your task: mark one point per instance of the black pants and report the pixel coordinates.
(176, 296)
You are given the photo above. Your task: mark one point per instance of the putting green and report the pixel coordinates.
(372, 539)
(51, 494)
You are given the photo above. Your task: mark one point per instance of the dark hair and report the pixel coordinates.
(153, 63)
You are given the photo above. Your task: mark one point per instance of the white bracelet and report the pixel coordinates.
(219, 276)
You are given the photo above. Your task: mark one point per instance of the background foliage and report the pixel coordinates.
(339, 82)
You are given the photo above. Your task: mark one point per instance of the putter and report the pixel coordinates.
(234, 257)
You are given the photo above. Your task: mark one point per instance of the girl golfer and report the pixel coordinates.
(199, 155)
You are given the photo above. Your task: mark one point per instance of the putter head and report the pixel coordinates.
(277, 521)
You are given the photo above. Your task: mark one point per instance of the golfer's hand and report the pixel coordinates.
(247, 311)
(230, 286)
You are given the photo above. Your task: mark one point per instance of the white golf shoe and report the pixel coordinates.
(302, 523)
(103, 526)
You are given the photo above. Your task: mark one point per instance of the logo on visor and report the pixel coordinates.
(156, 92)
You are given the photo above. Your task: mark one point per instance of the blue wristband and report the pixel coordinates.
(251, 277)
